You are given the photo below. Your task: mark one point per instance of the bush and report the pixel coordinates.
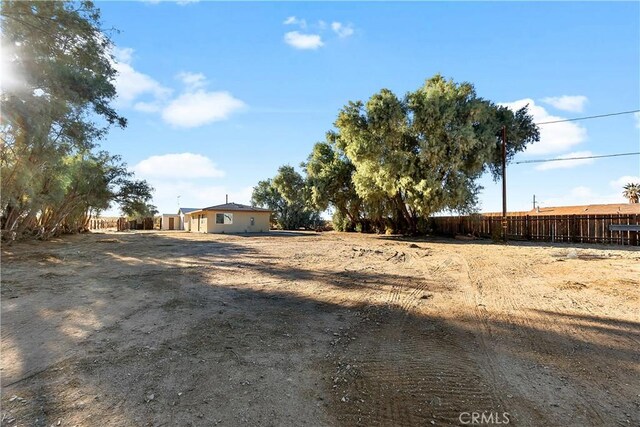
(341, 222)
(496, 231)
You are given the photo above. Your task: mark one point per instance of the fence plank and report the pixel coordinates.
(579, 228)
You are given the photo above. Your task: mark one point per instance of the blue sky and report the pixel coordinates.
(219, 95)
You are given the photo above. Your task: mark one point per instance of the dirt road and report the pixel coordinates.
(317, 329)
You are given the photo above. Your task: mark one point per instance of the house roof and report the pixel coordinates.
(610, 209)
(187, 210)
(233, 207)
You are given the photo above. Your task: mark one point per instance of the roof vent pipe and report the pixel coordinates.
(226, 198)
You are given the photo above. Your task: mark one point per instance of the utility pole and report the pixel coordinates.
(534, 202)
(504, 183)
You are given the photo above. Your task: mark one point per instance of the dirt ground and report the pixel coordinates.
(291, 329)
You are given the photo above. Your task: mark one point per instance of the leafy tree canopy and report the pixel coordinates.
(286, 195)
(329, 178)
(632, 192)
(424, 153)
(57, 89)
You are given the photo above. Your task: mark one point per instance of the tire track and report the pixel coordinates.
(494, 300)
(409, 373)
(410, 370)
(407, 295)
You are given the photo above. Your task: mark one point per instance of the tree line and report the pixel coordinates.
(58, 75)
(391, 162)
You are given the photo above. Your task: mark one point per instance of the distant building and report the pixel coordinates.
(176, 221)
(609, 209)
(184, 221)
(228, 218)
(170, 222)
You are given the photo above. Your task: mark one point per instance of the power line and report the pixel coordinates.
(576, 158)
(588, 117)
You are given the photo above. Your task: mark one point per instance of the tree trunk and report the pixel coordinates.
(412, 223)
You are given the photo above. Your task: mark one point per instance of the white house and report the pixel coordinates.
(228, 218)
(170, 222)
(185, 221)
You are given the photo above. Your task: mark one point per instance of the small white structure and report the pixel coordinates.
(229, 218)
(170, 222)
(185, 219)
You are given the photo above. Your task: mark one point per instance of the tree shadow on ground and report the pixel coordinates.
(116, 330)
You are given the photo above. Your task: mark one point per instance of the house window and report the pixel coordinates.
(253, 221)
(224, 218)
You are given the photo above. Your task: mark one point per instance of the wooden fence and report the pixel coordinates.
(547, 228)
(104, 223)
(120, 224)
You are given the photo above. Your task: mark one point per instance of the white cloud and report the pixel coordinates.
(195, 194)
(189, 176)
(123, 54)
(147, 107)
(619, 183)
(192, 109)
(131, 84)
(292, 20)
(312, 39)
(196, 106)
(582, 192)
(341, 29)
(582, 195)
(554, 138)
(303, 41)
(192, 80)
(573, 104)
(566, 164)
(181, 165)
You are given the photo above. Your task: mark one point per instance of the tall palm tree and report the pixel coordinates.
(632, 192)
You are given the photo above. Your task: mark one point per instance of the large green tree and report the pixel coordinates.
(424, 153)
(56, 98)
(329, 178)
(287, 196)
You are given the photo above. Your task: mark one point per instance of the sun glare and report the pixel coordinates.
(9, 77)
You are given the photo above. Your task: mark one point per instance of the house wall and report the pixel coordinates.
(241, 222)
(185, 222)
(198, 218)
(165, 222)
